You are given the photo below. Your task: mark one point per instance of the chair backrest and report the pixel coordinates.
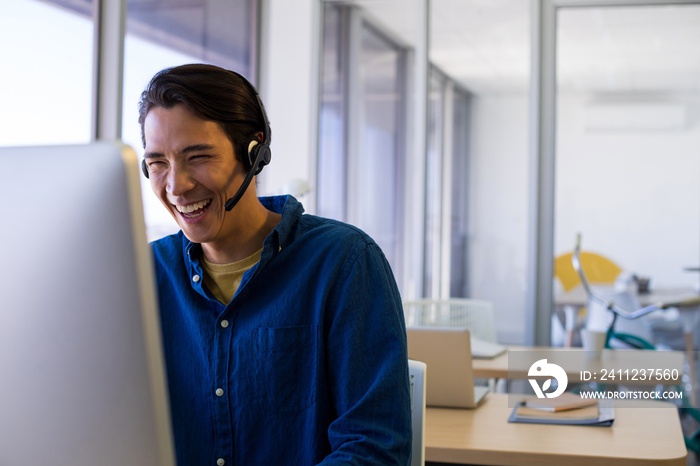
(473, 314)
(416, 370)
(599, 270)
(599, 318)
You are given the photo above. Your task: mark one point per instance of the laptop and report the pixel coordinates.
(482, 349)
(448, 357)
(82, 380)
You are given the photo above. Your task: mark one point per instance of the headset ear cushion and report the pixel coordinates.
(144, 169)
(264, 157)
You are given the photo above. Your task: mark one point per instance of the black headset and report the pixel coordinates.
(258, 156)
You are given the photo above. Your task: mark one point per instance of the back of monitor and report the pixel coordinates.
(81, 372)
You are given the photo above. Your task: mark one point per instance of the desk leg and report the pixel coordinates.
(690, 353)
(500, 386)
(569, 325)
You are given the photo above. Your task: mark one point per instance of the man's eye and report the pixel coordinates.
(156, 164)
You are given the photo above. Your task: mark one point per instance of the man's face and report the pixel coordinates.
(193, 170)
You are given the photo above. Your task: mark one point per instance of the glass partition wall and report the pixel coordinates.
(433, 183)
(627, 165)
(551, 83)
(362, 128)
(446, 189)
(370, 172)
(483, 51)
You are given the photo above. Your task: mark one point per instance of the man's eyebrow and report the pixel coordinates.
(197, 148)
(186, 150)
(152, 155)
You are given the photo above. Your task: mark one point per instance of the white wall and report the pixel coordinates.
(634, 195)
(288, 88)
(499, 209)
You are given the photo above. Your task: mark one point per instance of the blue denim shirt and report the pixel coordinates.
(307, 364)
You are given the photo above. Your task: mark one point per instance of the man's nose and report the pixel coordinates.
(179, 182)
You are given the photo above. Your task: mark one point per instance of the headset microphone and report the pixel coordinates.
(262, 155)
(259, 154)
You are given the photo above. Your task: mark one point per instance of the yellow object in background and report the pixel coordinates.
(599, 270)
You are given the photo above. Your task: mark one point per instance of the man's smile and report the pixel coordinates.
(193, 210)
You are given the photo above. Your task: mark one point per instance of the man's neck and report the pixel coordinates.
(246, 237)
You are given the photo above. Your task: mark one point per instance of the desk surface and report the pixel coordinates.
(498, 367)
(639, 437)
(578, 296)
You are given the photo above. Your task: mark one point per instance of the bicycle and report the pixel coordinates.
(617, 311)
(692, 441)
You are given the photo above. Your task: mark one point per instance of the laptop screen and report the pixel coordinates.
(446, 351)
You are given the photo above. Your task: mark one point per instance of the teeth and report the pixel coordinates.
(186, 209)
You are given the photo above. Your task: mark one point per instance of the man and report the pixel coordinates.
(284, 335)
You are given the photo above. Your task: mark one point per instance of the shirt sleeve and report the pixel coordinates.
(368, 365)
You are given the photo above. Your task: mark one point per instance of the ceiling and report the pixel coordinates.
(485, 45)
(198, 28)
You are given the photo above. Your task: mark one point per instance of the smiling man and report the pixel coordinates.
(283, 332)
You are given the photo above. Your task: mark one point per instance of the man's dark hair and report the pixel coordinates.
(212, 93)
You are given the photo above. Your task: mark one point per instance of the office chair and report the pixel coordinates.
(626, 333)
(417, 372)
(473, 314)
(599, 269)
(620, 305)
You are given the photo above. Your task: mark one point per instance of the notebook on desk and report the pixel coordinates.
(448, 356)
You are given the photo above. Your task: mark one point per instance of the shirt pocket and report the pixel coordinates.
(288, 368)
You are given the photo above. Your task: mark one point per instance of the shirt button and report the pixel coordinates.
(219, 392)
(196, 278)
(224, 323)
(220, 462)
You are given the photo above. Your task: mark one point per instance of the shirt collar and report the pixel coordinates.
(286, 205)
(291, 210)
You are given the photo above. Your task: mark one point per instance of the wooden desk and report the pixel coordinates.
(638, 437)
(498, 367)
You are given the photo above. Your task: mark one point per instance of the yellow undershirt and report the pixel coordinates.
(224, 279)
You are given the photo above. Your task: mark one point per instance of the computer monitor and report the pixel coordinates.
(82, 379)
